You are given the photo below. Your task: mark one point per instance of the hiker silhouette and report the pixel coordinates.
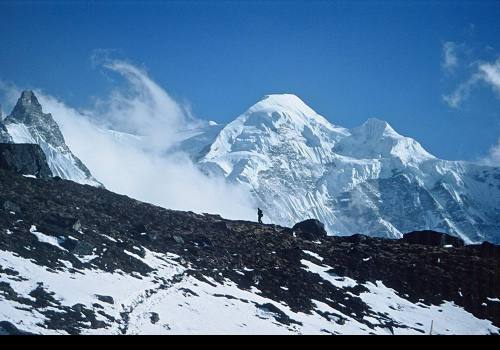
(259, 215)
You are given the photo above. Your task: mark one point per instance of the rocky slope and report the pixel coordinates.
(28, 124)
(368, 179)
(82, 260)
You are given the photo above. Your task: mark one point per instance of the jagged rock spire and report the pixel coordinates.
(42, 126)
(28, 124)
(27, 107)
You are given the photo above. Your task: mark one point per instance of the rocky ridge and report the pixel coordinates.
(173, 267)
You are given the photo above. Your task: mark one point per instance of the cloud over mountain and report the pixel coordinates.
(124, 141)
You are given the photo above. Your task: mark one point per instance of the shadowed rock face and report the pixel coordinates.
(24, 159)
(267, 257)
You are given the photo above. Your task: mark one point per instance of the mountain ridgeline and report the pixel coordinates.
(78, 259)
(369, 179)
(297, 165)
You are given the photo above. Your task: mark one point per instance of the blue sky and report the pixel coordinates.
(428, 68)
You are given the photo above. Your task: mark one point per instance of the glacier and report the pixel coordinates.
(369, 179)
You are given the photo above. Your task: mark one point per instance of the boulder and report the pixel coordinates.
(154, 317)
(432, 238)
(82, 248)
(24, 159)
(59, 224)
(310, 229)
(105, 298)
(9, 206)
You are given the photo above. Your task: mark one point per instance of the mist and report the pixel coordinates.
(134, 158)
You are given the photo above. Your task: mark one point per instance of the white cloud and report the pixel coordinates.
(462, 92)
(486, 72)
(10, 94)
(144, 108)
(139, 167)
(493, 158)
(491, 74)
(450, 58)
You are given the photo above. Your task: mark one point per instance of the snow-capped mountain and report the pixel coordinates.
(28, 124)
(368, 179)
(298, 165)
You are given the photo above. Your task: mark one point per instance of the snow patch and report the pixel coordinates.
(47, 239)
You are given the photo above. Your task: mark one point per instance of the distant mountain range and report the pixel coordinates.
(79, 259)
(297, 165)
(368, 179)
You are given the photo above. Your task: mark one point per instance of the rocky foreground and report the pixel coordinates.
(82, 260)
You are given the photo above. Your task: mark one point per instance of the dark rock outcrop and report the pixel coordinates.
(62, 224)
(24, 159)
(154, 317)
(105, 298)
(310, 229)
(432, 238)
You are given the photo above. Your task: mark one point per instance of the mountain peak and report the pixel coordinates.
(283, 102)
(283, 98)
(275, 109)
(27, 94)
(375, 126)
(375, 138)
(27, 104)
(28, 98)
(28, 124)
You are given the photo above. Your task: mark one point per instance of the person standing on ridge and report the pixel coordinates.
(259, 215)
